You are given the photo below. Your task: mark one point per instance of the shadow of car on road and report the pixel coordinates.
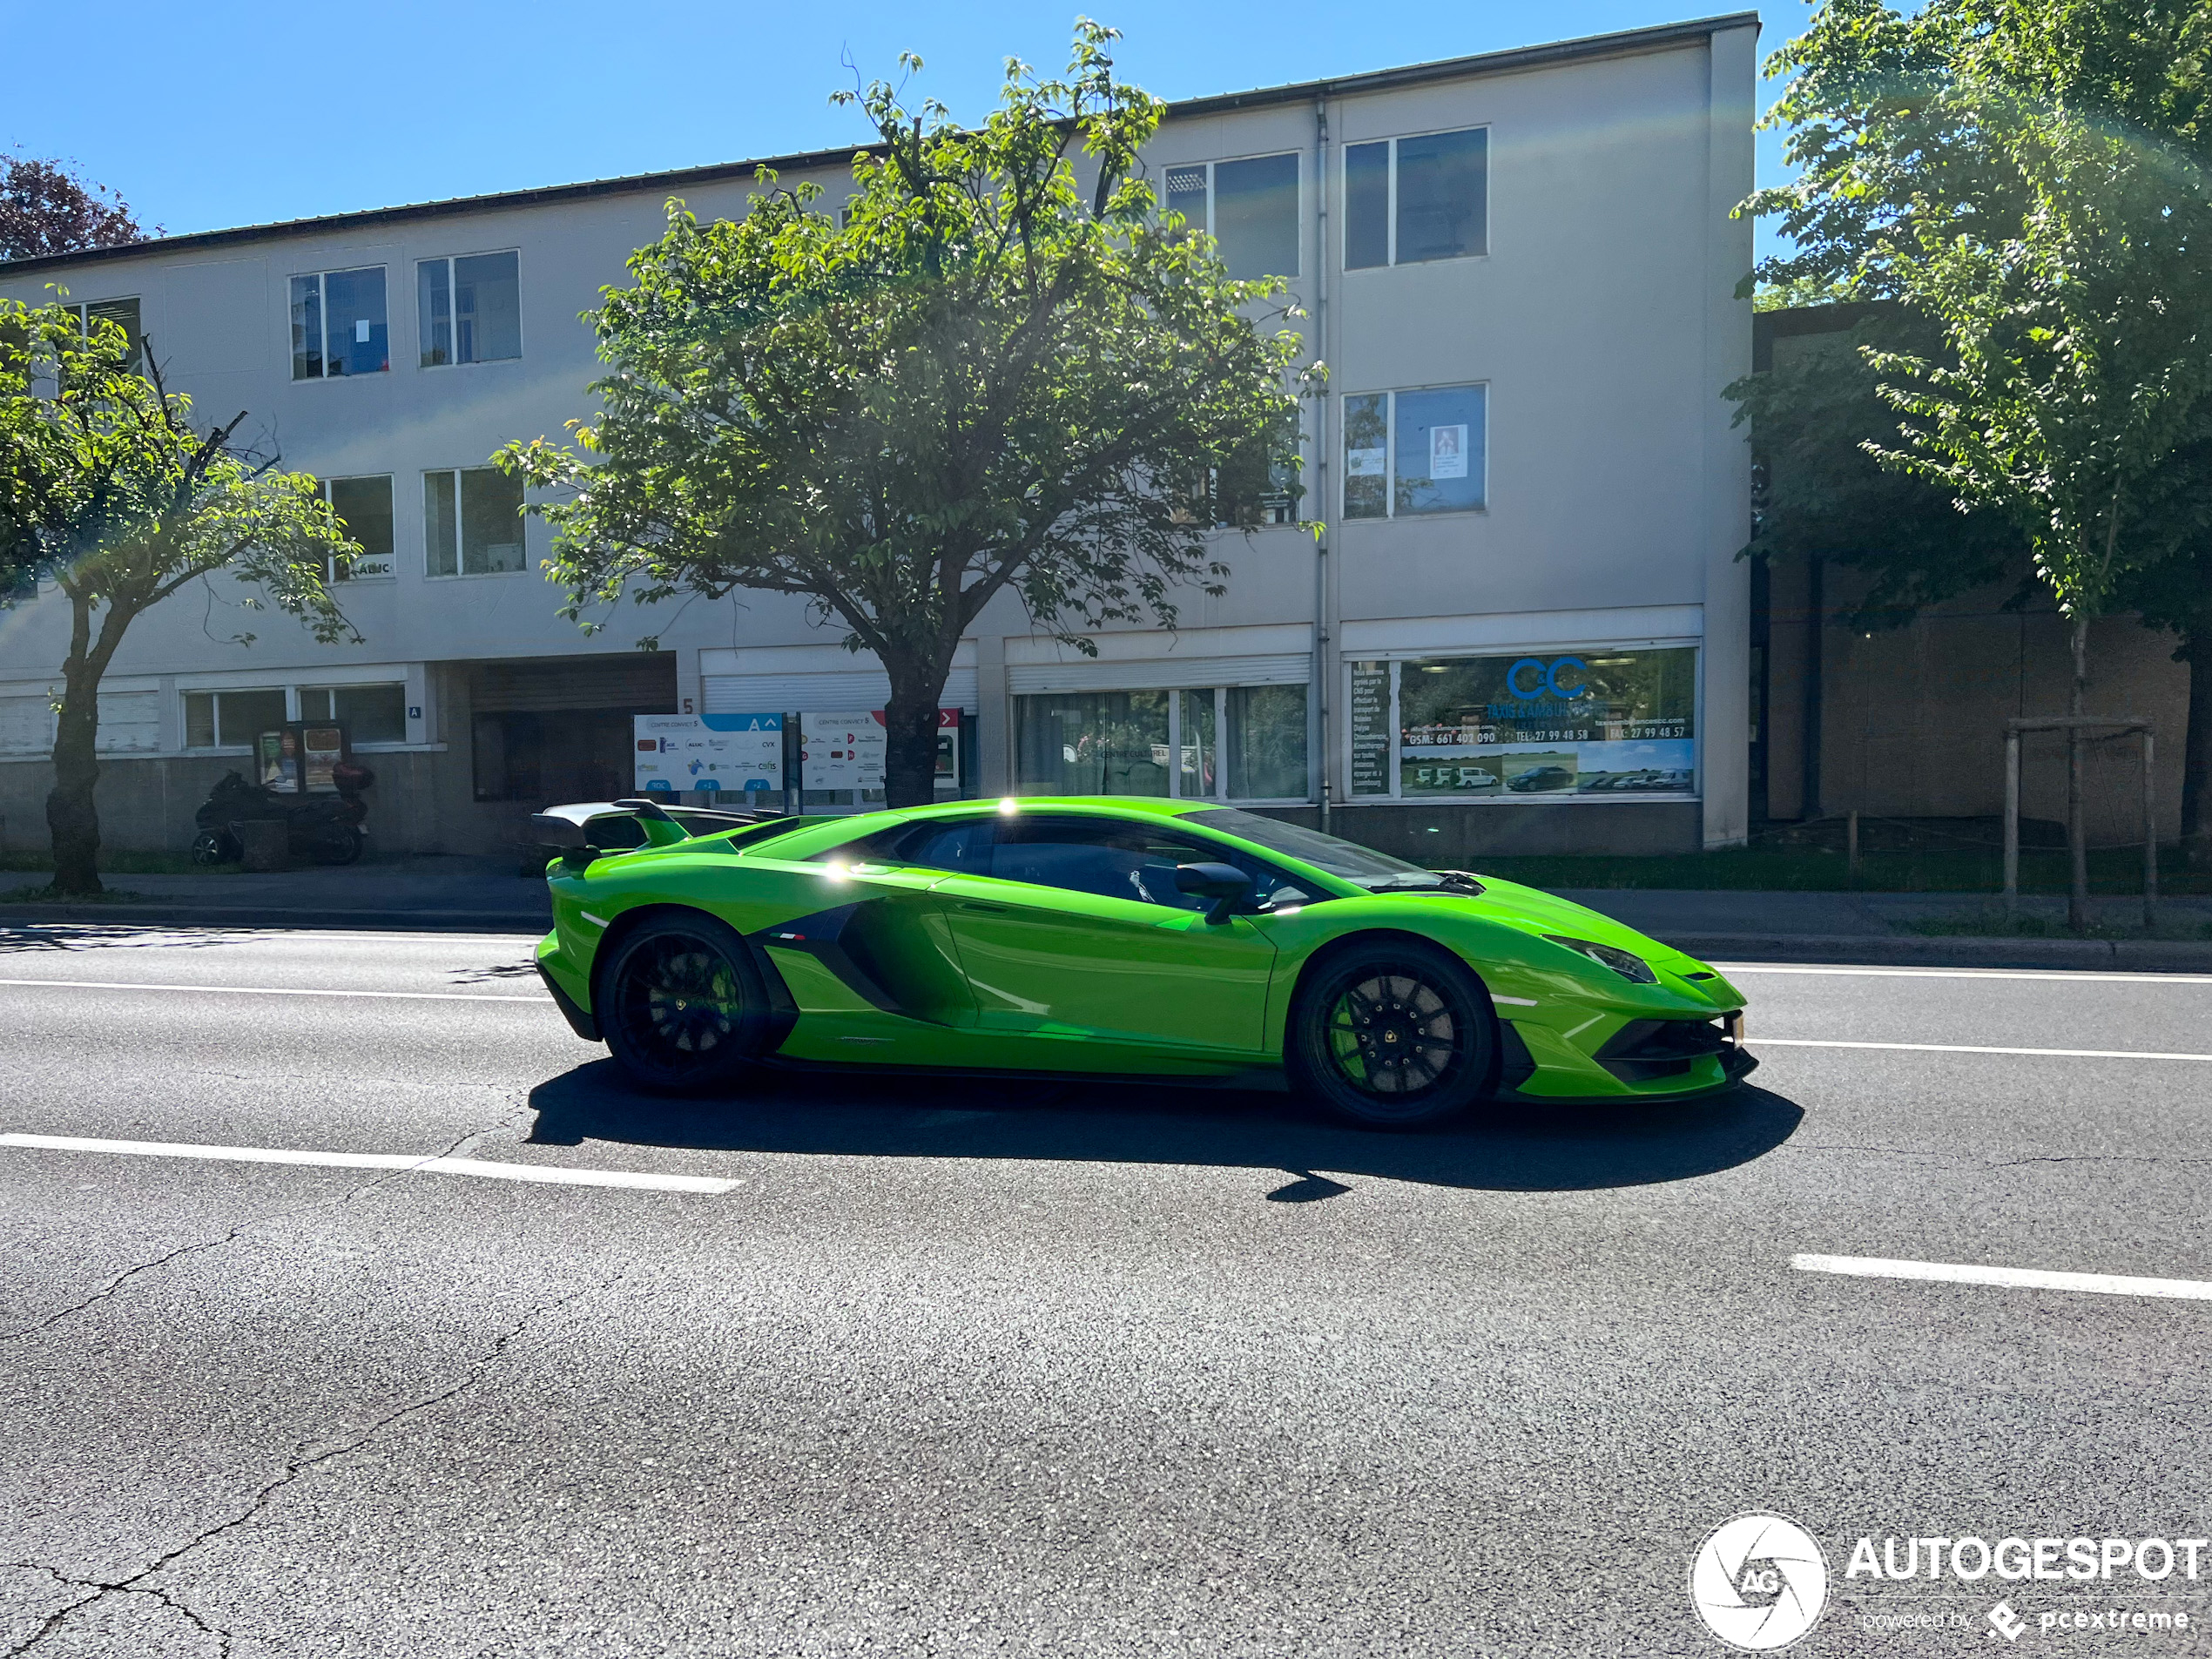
(1517, 1149)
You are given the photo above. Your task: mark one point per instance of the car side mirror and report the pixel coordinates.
(1226, 885)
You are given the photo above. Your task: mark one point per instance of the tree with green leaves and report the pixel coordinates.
(1001, 372)
(2027, 179)
(109, 492)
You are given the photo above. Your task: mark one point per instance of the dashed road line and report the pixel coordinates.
(1965, 1047)
(545, 1174)
(2189, 1289)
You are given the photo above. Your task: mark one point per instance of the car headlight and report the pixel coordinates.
(1631, 967)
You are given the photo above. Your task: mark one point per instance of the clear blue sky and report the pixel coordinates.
(208, 116)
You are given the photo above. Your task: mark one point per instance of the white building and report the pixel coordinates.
(1523, 626)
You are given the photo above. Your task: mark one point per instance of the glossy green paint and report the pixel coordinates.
(989, 974)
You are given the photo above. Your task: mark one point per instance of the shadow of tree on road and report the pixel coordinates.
(1519, 1149)
(104, 936)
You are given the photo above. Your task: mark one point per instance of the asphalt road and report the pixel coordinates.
(965, 1369)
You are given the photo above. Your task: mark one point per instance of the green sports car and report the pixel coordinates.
(1116, 937)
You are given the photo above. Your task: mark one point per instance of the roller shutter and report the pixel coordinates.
(1160, 673)
(642, 682)
(857, 688)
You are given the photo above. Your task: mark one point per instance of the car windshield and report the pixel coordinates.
(1377, 872)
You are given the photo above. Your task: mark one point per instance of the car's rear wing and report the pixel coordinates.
(601, 826)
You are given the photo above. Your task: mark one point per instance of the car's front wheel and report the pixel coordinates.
(672, 1003)
(1393, 1035)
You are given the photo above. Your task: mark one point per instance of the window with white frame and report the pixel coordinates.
(231, 719)
(1410, 452)
(370, 714)
(1410, 201)
(124, 313)
(1205, 743)
(472, 521)
(471, 308)
(338, 324)
(363, 509)
(1250, 207)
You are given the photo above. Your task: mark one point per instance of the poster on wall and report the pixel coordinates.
(841, 749)
(1583, 723)
(1370, 729)
(715, 752)
(1448, 451)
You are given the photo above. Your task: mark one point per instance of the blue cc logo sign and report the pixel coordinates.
(1532, 677)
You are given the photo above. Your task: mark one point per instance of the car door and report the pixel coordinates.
(1079, 932)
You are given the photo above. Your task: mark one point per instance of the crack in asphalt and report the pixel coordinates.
(298, 1465)
(100, 1588)
(466, 1142)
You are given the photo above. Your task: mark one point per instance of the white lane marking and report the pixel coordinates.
(264, 990)
(2191, 1290)
(1962, 1048)
(1732, 968)
(549, 1174)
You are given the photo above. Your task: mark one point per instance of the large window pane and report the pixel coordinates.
(1255, 215)
(1511, 727)
(1196, 774)
(1366, 455)
(434, 294)
(354, 322)
(372, 713)
(440, 527)
(1443, 185)
(1367, 205)
(1264, 744)
(242, 716)
(364, 507)
(1093, 742)
(487, 308)
(491, 522)
(1439, 450)
(306, 328)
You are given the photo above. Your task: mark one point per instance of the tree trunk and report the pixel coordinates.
(2077, 840)
(2196, 755)
(72, 816)
(910, 751)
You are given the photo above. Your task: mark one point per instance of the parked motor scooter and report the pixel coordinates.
(326, 828)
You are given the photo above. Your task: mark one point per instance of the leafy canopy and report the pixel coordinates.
(2029, 180)
(106, 490)
(991, 374)
(46, 208)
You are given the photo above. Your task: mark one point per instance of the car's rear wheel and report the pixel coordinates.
(672, 1003)
(1393, 1035)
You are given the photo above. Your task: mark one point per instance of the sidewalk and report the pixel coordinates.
(454, 894)
(486, 896)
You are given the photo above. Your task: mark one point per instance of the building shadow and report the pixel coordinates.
(1516, 1149)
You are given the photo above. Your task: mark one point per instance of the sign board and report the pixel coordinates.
(711, 751)
(846, 748)
(842, 749)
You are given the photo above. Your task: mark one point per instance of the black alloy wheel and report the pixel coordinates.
(673, 1004)
(211, 847)
(1394, 1036)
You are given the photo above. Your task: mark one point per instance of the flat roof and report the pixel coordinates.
(1619, 43)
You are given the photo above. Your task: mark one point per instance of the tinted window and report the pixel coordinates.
(963, 848)
(1255, 215)
(1443, 183)
(1122, 860)
(1347, 859)
(1367, 205)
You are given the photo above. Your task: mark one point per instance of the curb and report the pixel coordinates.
(1896, 950)
(501, 921)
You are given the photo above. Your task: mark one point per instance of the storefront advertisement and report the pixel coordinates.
(842, 749)
(736, 752)
(1591, 724)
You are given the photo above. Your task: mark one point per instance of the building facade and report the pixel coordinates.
(1510, 618)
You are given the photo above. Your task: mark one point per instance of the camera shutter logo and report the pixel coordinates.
(1759, 1582)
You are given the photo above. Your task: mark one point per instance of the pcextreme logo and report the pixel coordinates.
(1759, 1582)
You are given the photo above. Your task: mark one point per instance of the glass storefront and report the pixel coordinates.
(1205, 743)
(1595, 723)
